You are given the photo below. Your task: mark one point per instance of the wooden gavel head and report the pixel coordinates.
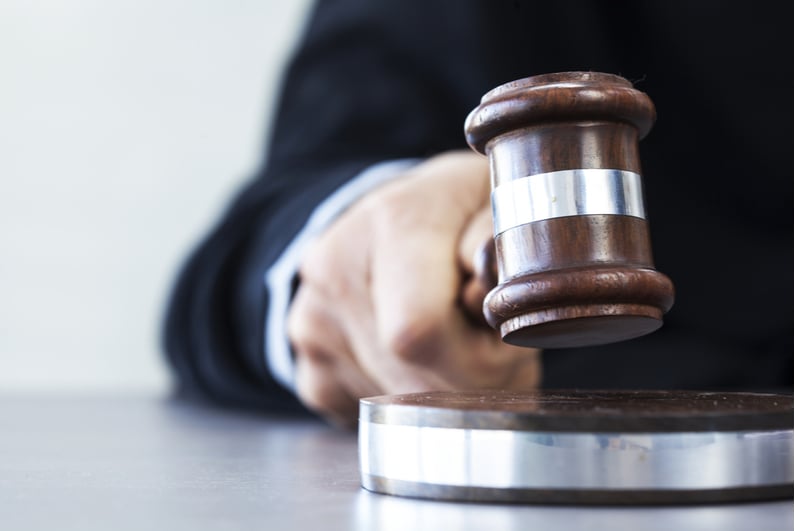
(570, 232)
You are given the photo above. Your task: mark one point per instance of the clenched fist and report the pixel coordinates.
(381, 303)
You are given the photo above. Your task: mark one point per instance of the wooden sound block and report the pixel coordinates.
(578, 447)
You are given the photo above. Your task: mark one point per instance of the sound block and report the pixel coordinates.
(578, 447)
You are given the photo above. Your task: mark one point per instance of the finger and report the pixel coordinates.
(350, 349)
(337, 268)
(328, 381)
(314, 328)
(528, 371)
(415, 285)
(477, 258)
(521, 365)
(319, 389)
(482, 360)
(480, 229)
(415, 291)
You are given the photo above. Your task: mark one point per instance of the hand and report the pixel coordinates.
(379, 309)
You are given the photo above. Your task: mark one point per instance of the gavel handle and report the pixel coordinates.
(483, 279)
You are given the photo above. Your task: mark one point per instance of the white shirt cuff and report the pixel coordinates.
(279, 278)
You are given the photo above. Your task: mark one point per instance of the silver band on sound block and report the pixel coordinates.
(578, 446)
(521, 466)
(566, 193)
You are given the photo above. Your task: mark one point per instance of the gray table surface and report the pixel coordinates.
(118, 463)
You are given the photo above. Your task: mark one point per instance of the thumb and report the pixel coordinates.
(478, 261)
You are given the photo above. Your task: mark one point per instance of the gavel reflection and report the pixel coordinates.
(573, 254)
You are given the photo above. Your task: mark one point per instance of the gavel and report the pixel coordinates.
(571, 238)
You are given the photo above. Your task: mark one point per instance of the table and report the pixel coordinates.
(110, 462)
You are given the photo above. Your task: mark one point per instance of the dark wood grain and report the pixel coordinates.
(564, 146)
(555, 98)
(580, 411)
(581, 241)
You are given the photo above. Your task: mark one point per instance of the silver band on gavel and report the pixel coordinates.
(566, 193)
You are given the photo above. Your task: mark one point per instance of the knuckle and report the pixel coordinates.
(296, 321)
(319, 261)
(302, 324)
(316, 397)
(388, 207)
(506, 365)
(414, 341)
(320, 391)
(333, 266)
(307, 349)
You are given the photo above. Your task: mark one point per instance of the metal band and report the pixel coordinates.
(566, 193)
(428, 459)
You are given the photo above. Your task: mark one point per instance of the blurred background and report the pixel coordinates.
(125, 127)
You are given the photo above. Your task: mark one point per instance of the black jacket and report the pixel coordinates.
(381, 80)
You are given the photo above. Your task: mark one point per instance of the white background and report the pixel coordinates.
(125, 126)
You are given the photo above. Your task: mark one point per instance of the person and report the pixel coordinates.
(336, 272)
